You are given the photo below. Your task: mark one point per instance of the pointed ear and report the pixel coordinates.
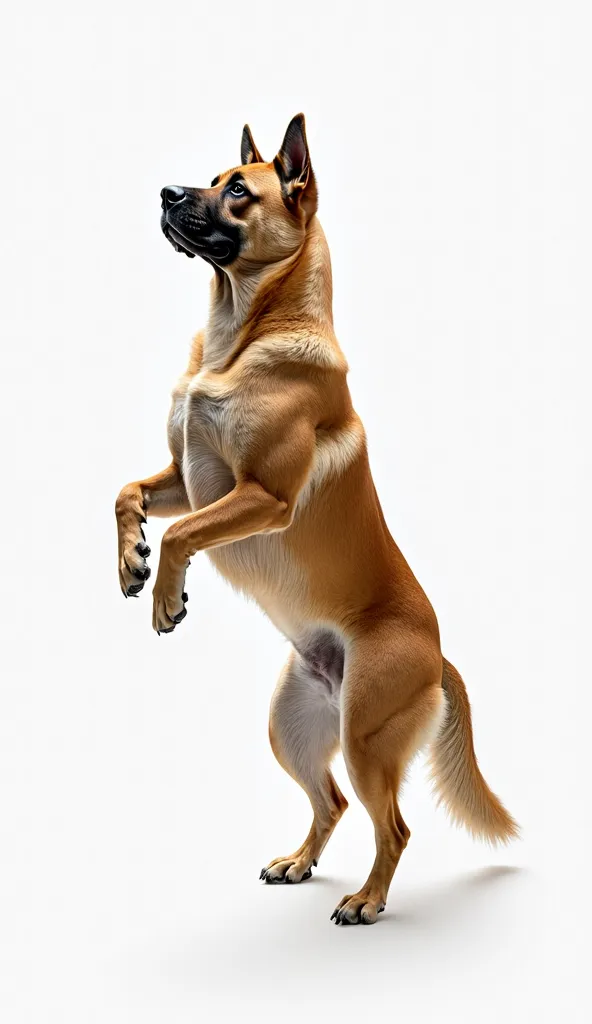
(294, 168)
(249, 152)
(293, 159)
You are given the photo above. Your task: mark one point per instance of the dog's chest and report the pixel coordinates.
(207, 430)
(210, 429)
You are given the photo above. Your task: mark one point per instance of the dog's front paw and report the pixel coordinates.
(133, 549)
(133, 567)
(169, 600)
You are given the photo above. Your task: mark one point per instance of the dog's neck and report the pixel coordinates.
(293, 294)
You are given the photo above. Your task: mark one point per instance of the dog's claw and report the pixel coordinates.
(142, 574)
(268, 879)
(135, 589)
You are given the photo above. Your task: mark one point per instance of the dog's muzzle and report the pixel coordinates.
(191, 227)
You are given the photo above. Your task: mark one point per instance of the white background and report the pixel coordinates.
(138, 794)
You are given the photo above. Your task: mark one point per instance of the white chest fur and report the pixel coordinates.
(203, 432)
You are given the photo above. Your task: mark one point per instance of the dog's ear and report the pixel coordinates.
(249, 152)
(294, 169)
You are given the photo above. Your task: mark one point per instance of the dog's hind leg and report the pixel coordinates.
(392, 703)
(304, 735)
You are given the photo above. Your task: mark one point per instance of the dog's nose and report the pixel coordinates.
(172, 194)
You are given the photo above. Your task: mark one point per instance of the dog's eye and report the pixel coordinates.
(238, 189)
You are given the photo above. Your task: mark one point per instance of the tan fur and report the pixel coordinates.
(270, 460)
(457, 780)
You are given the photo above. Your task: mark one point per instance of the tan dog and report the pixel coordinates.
(270, 473)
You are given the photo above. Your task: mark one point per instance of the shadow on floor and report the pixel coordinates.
(287, 928)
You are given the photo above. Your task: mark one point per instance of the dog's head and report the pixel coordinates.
(252, 215)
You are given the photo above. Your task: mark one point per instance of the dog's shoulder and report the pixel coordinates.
(298, 346)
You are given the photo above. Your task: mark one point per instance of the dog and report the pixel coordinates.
(270, 475)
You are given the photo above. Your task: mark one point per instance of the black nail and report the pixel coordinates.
(180, 615)
(135, 589)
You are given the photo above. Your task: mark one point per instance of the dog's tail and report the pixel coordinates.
(458, 783)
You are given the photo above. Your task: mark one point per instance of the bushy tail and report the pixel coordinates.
(458, 783)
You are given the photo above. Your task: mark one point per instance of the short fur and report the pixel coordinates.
(270, 475)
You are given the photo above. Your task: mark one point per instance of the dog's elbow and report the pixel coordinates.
(282, 517)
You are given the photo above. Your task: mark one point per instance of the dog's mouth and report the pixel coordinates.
(175, 239)
(218, 251)
(197, 234)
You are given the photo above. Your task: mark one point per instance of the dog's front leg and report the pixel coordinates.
(246, 510)
(161, 495)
